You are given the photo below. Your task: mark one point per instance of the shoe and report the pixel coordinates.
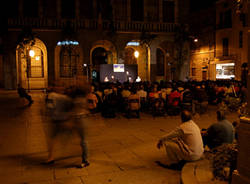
(51, 162)
(31, 102)
(84, 164)
(177, 167)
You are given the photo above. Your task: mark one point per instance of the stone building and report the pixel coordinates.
(223, 41)
(202, 43)
(58, 42)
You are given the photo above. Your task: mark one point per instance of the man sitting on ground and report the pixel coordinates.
(182, 144)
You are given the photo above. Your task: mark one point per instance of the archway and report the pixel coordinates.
(99, 56)
(142, 60)
(69, 69)
(102, 52)
(32, 66)
(165, 61)
(129, 56)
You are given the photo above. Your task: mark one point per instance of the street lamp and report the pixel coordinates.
(136, 54)
(28, 63)
(31, 53)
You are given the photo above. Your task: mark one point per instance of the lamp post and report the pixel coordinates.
(136, 54)
(29, 54)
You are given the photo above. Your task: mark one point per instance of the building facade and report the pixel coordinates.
(231, 38)
(46, 42)
(202, 44)
(222, 48)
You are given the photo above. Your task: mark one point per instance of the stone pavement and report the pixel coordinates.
(121, 151)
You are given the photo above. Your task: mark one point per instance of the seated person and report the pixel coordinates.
(219, 133)
(134, 104)
(182, 144)
(23, 94)
(92, 100)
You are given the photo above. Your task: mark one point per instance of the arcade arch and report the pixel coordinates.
(32, 64)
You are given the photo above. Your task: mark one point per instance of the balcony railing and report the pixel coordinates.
(232, 55)
(119, 26)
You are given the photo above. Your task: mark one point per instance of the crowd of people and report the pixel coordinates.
(185, 143)
(160, 98)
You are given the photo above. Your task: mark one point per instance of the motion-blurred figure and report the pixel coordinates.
(65, 109)
(23, 94)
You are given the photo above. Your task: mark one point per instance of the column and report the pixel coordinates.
(160, 11)
(58, 2)
(77, 9)
(129, 10)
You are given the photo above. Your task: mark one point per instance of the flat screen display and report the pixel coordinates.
(118, 67)
(225, 71)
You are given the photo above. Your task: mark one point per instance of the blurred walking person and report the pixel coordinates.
(65, 112)
(23, 94)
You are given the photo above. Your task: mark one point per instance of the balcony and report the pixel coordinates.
(119, 26)
(232, 55)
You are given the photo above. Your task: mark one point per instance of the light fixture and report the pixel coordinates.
(136, 54)
(37, 58)
(196, 40)
(67, 42)
(138, 79)
(31, 53)
(106, 79)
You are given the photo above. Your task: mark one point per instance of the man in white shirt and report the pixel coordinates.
(182, 144)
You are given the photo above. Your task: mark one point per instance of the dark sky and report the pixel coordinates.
(200, 4)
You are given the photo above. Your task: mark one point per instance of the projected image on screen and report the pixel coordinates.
(118, 67)
(121, 73)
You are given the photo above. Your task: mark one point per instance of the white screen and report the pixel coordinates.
(118, 67)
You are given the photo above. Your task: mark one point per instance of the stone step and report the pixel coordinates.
(198, 172)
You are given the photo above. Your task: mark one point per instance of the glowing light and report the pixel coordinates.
(85, 65)
(31, 53)
(37, 58)
(138, 79)
(106, 79)
(136, 54)
(133, 43)
(196, 40)
(67, 42)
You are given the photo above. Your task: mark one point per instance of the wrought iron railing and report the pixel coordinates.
(231, 55)
(121, 26)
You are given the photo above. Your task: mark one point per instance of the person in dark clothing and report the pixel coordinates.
(219, 133)
(23, 94)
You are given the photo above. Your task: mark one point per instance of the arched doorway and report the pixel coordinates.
(129, 56)
(165, 61)
(99, 56)
(69, 68)
(32, 66)
(102, 52)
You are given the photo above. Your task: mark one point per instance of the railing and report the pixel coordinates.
(232, 55)
(119, 26)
